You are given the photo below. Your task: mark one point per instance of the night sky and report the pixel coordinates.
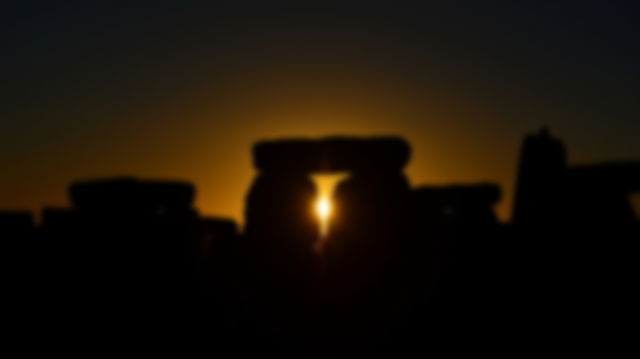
(180, 90)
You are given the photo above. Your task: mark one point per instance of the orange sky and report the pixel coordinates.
(160, 93)
(207, 137)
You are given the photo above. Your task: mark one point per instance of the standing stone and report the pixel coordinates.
(281, 232)
(543, 165)
(365, 241)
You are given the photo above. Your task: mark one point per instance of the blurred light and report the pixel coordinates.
(323, 209)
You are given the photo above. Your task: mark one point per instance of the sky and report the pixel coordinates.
(181, 90)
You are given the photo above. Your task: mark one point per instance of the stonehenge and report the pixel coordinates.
(395, 256)
(281, 198)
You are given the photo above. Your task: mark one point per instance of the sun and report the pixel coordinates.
(324, 208)
(323, 205)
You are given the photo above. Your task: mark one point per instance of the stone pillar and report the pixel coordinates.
(280, 235)
(542, 168)
(279, 211)
(369, 205)
(366, 235)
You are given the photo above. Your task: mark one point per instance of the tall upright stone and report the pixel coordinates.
(369, 204)
(365, 243)
(540, 181)
(280, 201)
(280, 234)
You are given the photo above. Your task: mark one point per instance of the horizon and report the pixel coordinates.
(164, 90)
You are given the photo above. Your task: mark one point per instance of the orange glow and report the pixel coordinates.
(324, 210)
(323, 206)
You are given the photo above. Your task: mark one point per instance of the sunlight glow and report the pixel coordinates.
(323, 208)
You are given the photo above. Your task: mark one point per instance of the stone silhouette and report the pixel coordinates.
(575, 228)
(404, 269)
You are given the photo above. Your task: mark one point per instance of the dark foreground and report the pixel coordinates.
(132, 267)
